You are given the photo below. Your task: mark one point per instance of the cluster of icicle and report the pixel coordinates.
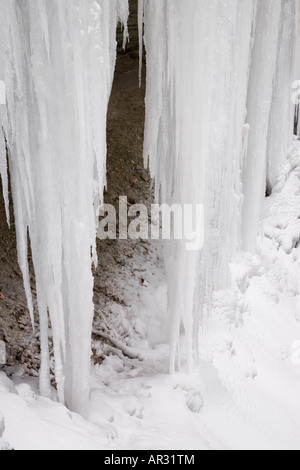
(57, 61)
(219, 121)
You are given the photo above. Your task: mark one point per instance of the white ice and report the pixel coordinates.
(57, 61)
(219, 120)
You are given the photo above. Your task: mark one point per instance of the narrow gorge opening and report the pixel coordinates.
(123, 264)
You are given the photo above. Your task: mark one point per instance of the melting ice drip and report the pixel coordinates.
(219, 120)
(57, 60)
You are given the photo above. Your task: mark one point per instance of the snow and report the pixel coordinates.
(57, 61)
(244, 392)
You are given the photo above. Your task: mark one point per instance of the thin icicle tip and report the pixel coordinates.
(4, 169)
(3, 142)
(141, 37)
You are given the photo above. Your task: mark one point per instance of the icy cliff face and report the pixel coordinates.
(57, 60)
(219, 78)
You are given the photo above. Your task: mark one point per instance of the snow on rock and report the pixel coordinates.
(6, 385)
(3, 444)
(250, 334)
(57, 61)
(2, 426)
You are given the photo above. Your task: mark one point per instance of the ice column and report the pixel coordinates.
(57, 61)
(282, 110)
(198, 59)
(270, 109)
(219, 120)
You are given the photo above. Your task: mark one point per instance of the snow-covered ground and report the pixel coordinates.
(245, 393)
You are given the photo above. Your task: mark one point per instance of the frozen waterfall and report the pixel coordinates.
(219, 121)
(57, 60)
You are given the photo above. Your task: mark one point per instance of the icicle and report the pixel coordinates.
(207, 62)
(3, 123)
(3, 164)
(280, 135)
(58, 60)
(271, 65)
(194, 138)
(141, 26)
(297, 59)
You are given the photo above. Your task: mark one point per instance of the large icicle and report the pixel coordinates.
(58, 68)
(198, 56)
(269, 107)
(297, 66)
(280, 136)
(3, 131)
(198, 141)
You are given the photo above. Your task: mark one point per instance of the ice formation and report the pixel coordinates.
(270, 108)
(57, 61)
(218, 124)
(219, 120)
(296, 84)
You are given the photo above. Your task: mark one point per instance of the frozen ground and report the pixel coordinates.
(245, 393)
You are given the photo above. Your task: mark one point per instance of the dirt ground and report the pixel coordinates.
(125, 177)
